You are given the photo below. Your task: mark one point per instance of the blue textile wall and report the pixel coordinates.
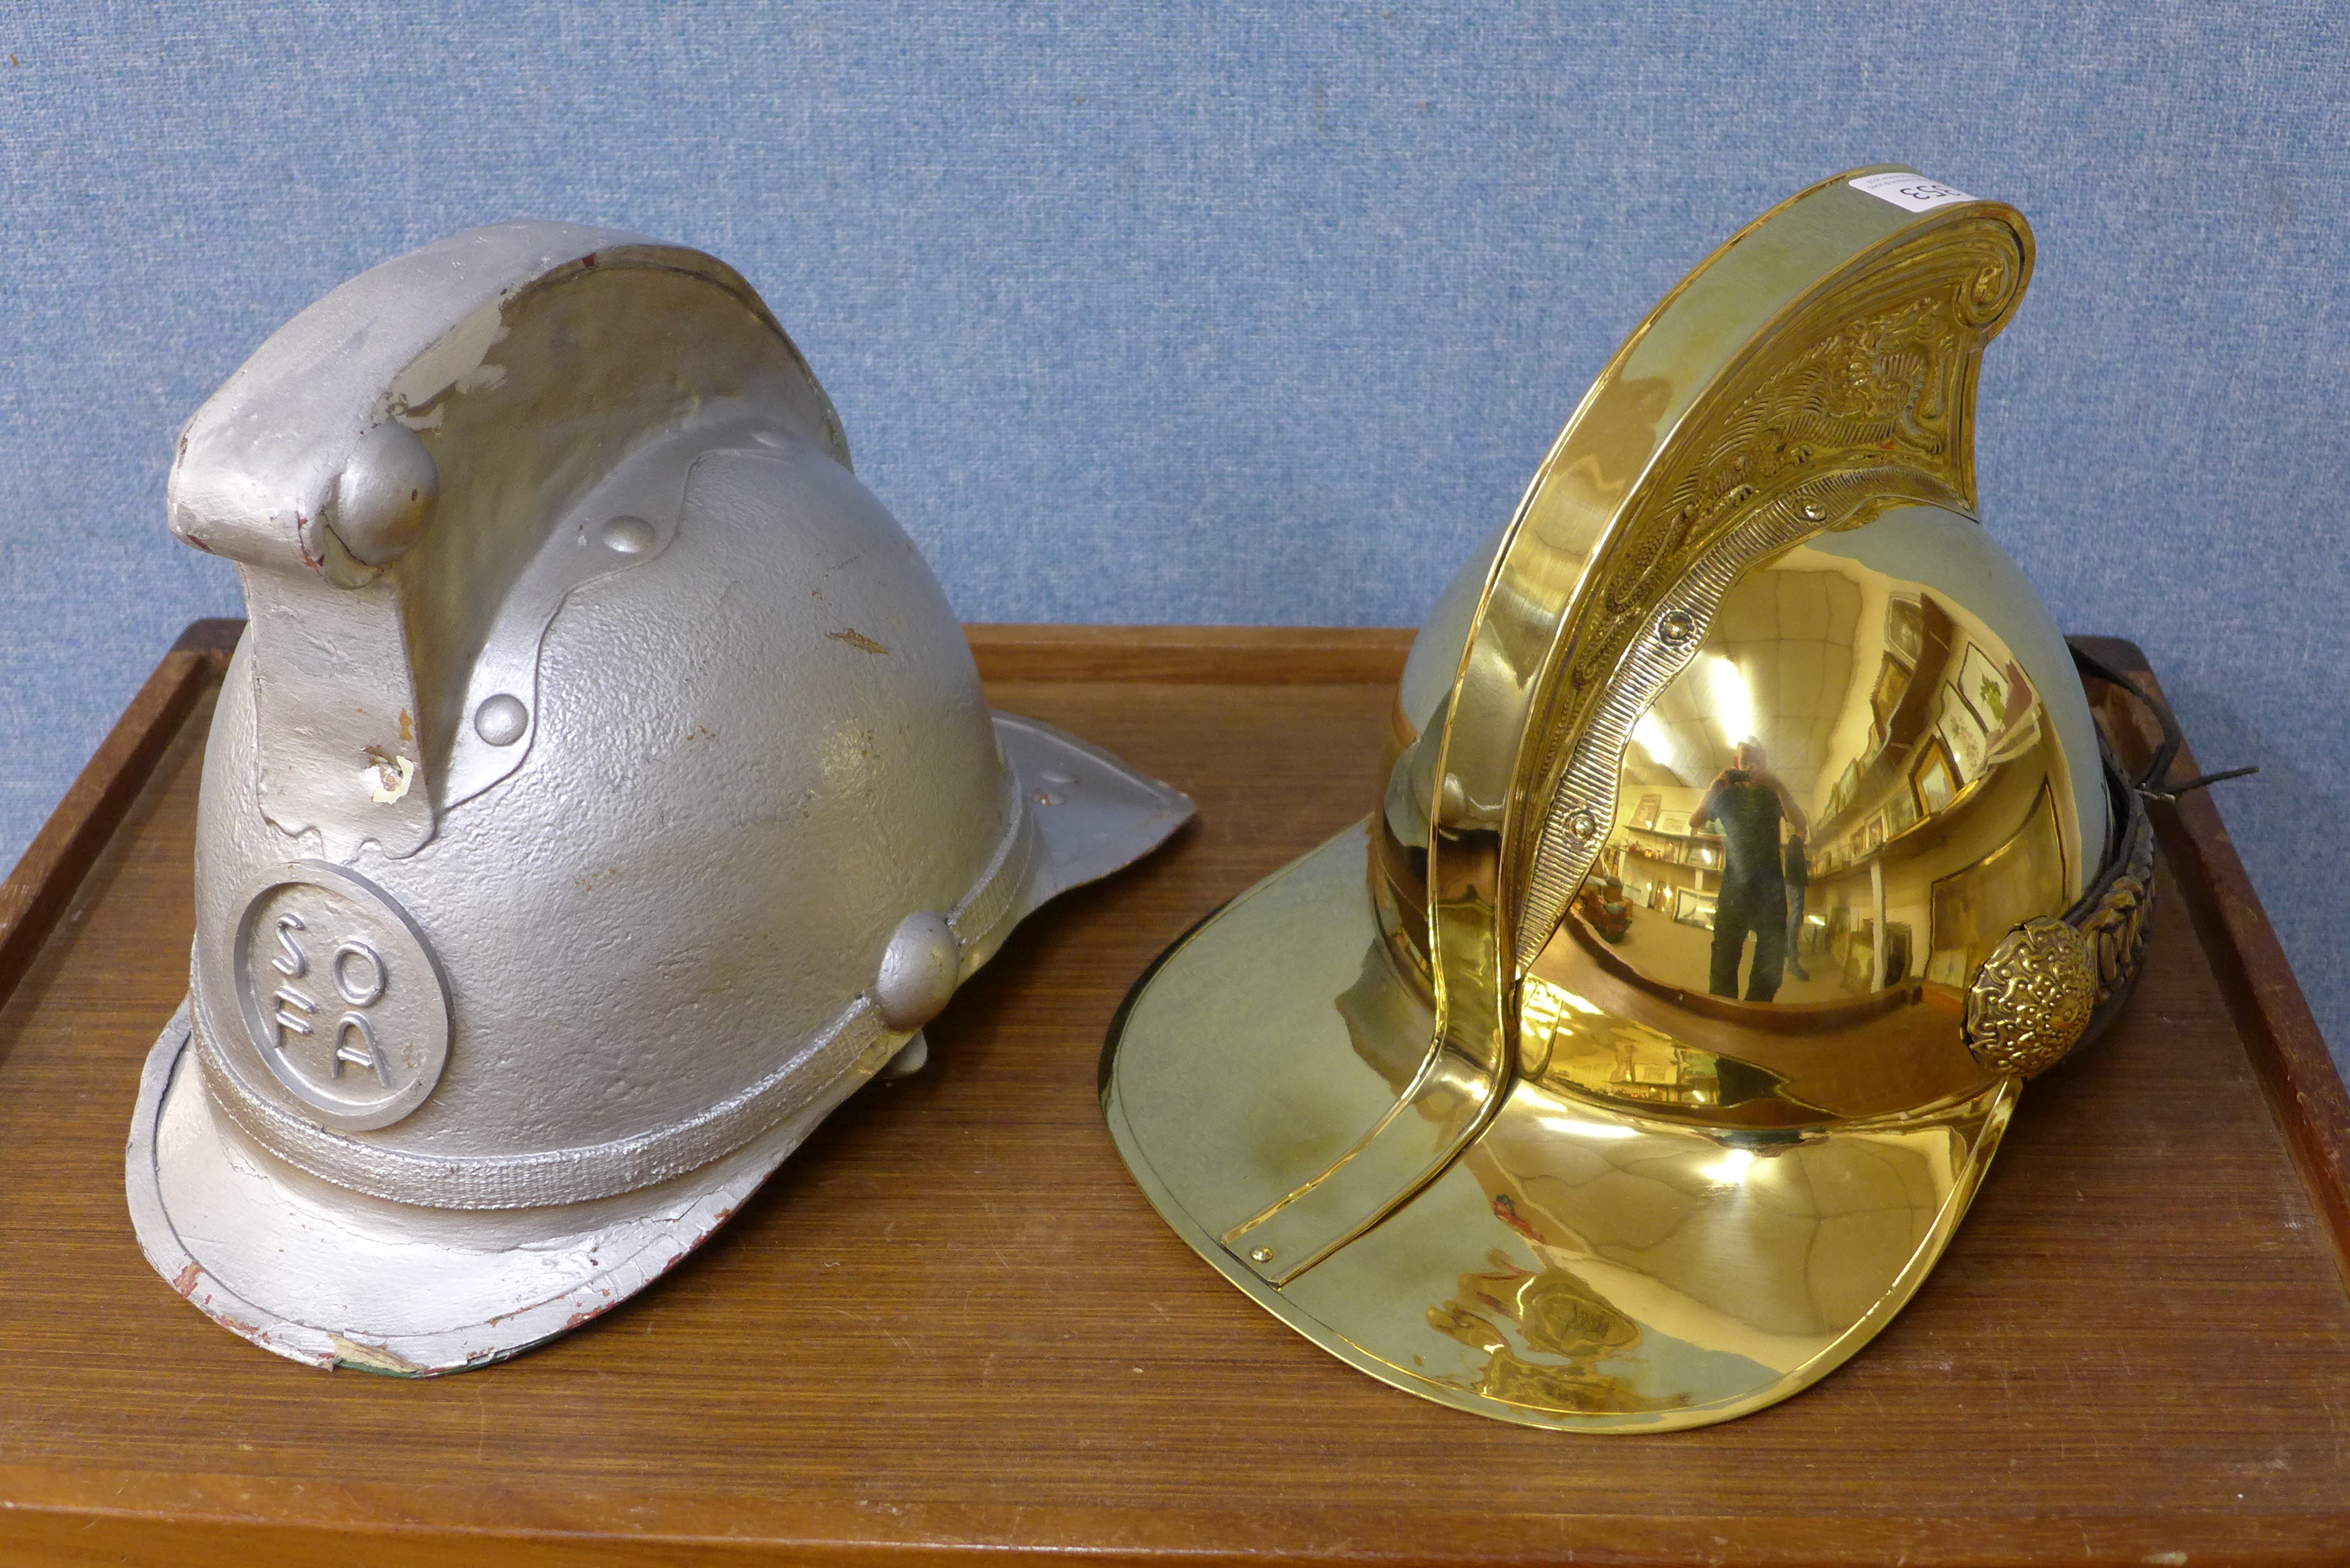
(1231, 313)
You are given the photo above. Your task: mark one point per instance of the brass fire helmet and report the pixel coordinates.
(1616, 1105)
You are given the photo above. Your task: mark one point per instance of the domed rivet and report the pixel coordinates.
(1676, 627)
(501, 720)
(1815, 512)
(385, 494)
(1583, 824)
(1262, 1255)
(629, 535)
(919, 971)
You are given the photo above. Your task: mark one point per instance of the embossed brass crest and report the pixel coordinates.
(1863, 401)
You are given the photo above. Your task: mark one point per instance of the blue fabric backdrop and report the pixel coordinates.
(1231, 313)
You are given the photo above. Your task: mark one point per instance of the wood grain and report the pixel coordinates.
(1225, 655)
(951, 1322)
(2279, 1032)
(52, 865)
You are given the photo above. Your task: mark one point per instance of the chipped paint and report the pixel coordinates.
(187, 1279)
(857, 639)
(367, 1357)
(457, 362)
(302, 545)
(391, 774)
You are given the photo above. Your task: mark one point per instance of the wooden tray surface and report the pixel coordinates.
(951, 1323)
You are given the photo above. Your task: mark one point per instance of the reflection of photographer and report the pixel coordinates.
(1797, 869)
(1746, 805)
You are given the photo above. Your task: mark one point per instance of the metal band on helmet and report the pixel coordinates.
(801, 1075)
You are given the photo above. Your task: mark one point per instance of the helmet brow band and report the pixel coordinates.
(624, 1165)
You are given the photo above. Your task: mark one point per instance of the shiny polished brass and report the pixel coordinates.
(1526, 1129)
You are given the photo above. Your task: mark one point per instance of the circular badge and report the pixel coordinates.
(342, 995)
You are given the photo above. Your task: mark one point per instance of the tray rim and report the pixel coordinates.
(200, 1516)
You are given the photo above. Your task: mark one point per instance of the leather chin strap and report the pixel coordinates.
(2145, 784)
(2114, 916)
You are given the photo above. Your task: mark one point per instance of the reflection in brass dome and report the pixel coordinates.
(1905, 701)
(1905, 802)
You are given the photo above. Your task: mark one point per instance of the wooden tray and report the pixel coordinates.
(951, 1323)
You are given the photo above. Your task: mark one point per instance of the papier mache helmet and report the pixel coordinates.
(601, 792)
(1748, 843)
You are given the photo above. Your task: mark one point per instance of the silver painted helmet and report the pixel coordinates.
(603, 791)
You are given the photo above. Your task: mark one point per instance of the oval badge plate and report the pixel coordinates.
(342, 995)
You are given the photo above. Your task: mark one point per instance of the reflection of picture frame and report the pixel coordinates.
(1900, 815)
(1973, 909)
(1673, 822)
(1962, 733)
(1985, 689)
(1904, 627)
(1645, 814)
(1897, 952)
(1892, 685)
(1847, 787)
(1691, 907)
(1933, 777)
(1872, 833)
(1860, 958)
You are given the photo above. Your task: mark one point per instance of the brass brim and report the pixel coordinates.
(1585, 1264)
